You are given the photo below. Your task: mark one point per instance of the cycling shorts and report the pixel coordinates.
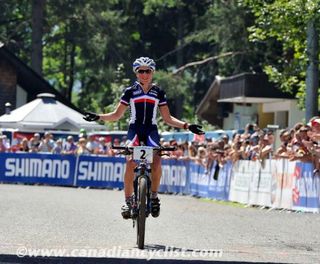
(148, 134)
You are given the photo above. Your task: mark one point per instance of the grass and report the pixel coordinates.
(234, 204)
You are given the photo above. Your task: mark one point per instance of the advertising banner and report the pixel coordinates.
(199, 180)
(240, 181)
(305, 188)
(35, 168)
(289, 170)
(272, 183)
(277, 181)
(219, 189)
(99, 171)
(260, 186)
(174, 177)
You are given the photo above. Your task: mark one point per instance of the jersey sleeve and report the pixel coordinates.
(125, 97)
(162, 98)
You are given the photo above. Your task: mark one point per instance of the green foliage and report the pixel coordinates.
(157, 6)
(89, 46)
(286, 22)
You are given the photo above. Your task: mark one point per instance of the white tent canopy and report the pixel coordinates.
(46, 113)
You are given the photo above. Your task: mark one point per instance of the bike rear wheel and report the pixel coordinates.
(142, 205)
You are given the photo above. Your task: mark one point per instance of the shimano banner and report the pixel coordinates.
(174, 176)
(272, 183)
(219, 189)
(35, 168)
(98, 171)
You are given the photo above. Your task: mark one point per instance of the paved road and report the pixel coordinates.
(85, 225)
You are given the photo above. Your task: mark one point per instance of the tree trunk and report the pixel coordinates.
(71, 71)
(37, 33)
(312, 79)
(178, 111)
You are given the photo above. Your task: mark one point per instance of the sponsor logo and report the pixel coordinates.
(174, 175)
(33, 167)
(153, 93)
(137, 92)
(100, 171)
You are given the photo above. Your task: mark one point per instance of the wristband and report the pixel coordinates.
(185, 126)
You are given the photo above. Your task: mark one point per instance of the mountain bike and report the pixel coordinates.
(141, 208)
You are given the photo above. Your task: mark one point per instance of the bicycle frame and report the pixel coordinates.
(141, 170)
(142, 186)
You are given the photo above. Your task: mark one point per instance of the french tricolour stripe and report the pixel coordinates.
(145, 98)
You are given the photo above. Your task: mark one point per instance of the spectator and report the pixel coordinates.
(58, 148)
(24, 145)
(82, 147)
(92, 144)
(299, 149)
(69, 147)
(236, 145)
(265, 148)
(112, 152)
(33, 145)
(192, 150)
(47, 144)
(35, 141)
(4, 144)
(285, 138)
(225, 138)
(249, 129)
(254, 145)
(102, 147)
(201, 157)
(83, 133)
(123, 141)
(180, 151)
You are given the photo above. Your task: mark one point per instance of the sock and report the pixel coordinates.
(129, 198)
(154, 195)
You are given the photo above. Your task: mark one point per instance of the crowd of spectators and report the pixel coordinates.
(302, 142)
(86, 144)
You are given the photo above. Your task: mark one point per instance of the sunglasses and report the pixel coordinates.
(144, 71)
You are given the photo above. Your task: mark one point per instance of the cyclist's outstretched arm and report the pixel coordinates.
(112, 116)
(115, 115)
(171, 120)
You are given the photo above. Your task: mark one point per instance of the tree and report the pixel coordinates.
(285, 22)
(84, 42)
(37, 35)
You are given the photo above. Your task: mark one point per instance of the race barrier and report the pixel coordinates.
(276, 184)
(271, 183)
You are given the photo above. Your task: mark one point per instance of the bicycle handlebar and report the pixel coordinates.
(154, 148)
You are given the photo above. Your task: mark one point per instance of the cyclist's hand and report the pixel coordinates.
(196, 129)
(89, 116)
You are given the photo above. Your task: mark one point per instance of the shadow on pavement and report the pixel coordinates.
(79, 260)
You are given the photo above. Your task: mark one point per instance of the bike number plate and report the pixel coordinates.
(143, 153)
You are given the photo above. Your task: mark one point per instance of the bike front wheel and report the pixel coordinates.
(142, 205)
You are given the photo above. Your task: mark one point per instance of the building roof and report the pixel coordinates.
(242, 88)
(47, 113)
(250, 88)
(31, 81)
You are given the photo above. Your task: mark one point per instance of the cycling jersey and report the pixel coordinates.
(143, 106)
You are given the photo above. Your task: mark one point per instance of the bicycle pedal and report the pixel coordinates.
(134, 215)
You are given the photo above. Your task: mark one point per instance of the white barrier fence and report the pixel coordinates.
(276, 184)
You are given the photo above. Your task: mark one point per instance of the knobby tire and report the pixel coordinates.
(142, 192)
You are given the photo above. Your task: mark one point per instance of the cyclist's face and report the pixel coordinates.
(144, 75)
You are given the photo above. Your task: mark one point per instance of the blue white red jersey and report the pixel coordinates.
(143, 106)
